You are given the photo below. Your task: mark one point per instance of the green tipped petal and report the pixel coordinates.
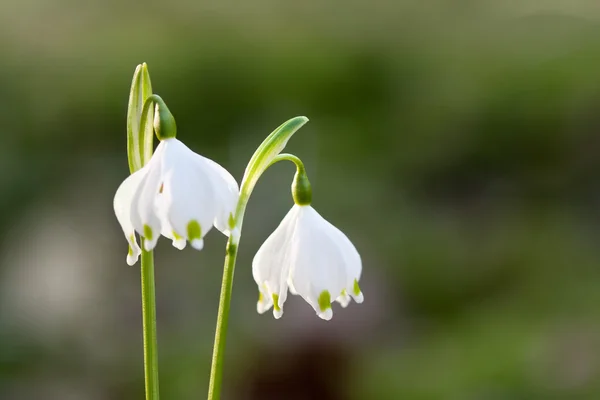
(176, 236)
(324, 300)
(148, 234)
(276, 302)
(356, 288)
(194, 231)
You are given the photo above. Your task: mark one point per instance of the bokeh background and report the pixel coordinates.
(457, 143)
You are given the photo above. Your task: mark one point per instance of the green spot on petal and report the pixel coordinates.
(147, 232)
(261, 298)
(132, 240)
(276, 302)
(176, 236)
(356, 288)
(324, 300)
(344, 293)
(193, 230)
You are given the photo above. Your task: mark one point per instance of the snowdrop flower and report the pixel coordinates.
(309, 256)
(178, 194)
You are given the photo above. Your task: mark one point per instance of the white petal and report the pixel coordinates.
(277, 313)
(291, 287)
(359, 298)
(326, 315)
(352, 260)
(122, 207)
(197, 244)
(270, 266)
(179, 244)
(265, 301)
(133, 254)
(166, 228)
(343, 299)
(235, 235)
(227, 193)
(188, 193)
(143, 210)
(318, 270)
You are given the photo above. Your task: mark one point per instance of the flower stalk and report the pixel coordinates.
(140, 139)
(262, 158)
(149, 325)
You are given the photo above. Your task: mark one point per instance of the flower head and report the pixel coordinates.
(178, 194)
(312, 258)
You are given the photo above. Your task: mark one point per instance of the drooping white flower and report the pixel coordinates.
(312, 258)
(178, 194)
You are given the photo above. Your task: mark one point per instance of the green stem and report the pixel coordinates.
(149, 325)
(290, 157)
(216, 372)
(261, 160)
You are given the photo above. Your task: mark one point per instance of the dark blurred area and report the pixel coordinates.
(457, 143)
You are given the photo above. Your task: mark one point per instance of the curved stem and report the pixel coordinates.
(149, 102)
(149, 325)
(216, 372)
(265, 156)
(292, 158)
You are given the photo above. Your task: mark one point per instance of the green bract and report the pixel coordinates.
(139, 143)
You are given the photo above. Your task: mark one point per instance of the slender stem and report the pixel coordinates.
(289, 157)
(216, 372)
(263, 158)
(149, 325)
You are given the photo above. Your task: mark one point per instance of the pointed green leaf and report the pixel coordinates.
(139, 144)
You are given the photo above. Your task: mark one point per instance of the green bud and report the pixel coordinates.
(301, 190)
(139, 143)
(164, 122)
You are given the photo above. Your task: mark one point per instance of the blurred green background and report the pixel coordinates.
(457, 143)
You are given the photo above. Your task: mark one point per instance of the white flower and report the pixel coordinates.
(178, 194)
(312, 258)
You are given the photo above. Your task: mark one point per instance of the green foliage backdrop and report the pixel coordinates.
(456, 142)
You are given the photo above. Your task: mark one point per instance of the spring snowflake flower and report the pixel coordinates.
(178, 194)
(312, 258)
